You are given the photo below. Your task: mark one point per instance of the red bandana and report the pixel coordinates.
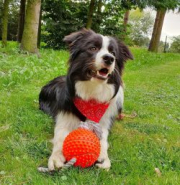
(91, 109)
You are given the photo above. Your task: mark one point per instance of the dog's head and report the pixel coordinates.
(96, 57)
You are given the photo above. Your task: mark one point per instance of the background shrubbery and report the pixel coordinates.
(60, 18)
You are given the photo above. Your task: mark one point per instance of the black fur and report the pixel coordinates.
(55, 96)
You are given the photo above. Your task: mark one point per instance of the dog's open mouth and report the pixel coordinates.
(101, 74)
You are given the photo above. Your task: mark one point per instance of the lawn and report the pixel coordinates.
(137, 145)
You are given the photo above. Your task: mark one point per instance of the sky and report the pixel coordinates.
(171, 26)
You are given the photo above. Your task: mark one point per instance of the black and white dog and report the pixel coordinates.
(95, 68)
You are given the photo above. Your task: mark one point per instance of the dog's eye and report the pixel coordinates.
(93, 48)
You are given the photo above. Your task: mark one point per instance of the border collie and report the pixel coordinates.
(95, 68)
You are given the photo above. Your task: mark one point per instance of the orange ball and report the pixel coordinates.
(83, 145)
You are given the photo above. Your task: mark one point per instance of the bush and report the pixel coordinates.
(175, 46)
(60, 19)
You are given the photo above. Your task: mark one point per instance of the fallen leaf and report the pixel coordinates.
(4, 128)
(158, 172)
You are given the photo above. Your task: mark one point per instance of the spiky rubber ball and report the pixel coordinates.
(83, 145)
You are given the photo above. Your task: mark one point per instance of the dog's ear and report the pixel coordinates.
(124, 52)
(74, 37)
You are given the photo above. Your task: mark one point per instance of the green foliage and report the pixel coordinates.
(141, 24)
(61, 18)
(175, 46)
(110, 22)
(1, 10)
(130, 4)
(162, 45)
(136, 145)
(12, 19)
(164, 4)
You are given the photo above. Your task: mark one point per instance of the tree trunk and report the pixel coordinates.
(21, 20)
(155, 39)
(39, 29)
(100, 4)
(125, 22)
(5, 22)
(30, 33)
(90, 14)
(126, 19)
(99, 18)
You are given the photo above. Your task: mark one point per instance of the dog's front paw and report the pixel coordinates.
(104, 163)
(56, 160)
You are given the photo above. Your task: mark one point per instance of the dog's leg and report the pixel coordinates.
(65, 123)
(57, 159)
(103, 160)
(106, 123)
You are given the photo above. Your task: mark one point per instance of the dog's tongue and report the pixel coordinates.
(103, 72)
(91, 109)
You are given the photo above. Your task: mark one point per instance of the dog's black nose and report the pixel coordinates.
(108, 59)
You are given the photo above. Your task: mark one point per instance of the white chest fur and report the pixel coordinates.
(94, 89)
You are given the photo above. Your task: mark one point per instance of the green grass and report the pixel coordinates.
(137, 145)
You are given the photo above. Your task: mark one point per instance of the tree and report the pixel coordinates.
(175, 46)
(128, 5)
(161, 7)
(99, 12)
(126, 19)
(60, 18)
(110, 22)
(156, 34)
(90, 13)
(30, 33)
(39, 28)
(13, 10)
(141, 24)
(21, 20)
(5, 22)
